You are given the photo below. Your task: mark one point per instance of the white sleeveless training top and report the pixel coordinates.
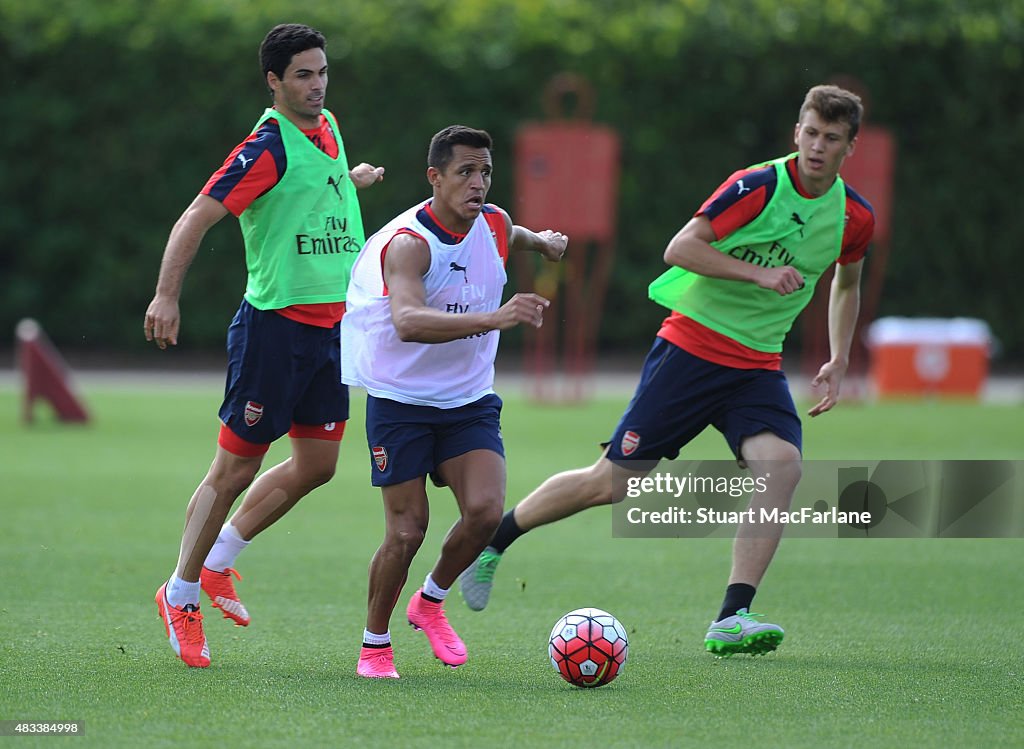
(466, 274)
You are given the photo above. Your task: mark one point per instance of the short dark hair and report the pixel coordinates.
(442, 145)
(283, 42)
(834, 104)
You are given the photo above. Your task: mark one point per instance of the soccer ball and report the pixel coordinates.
(588, 647)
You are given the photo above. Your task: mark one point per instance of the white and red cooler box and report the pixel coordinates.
(929, 356)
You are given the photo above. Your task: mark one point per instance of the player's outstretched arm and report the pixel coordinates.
(843, 309)
(550, 244)
(163, 317)
(406, 262)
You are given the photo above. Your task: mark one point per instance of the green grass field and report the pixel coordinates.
(889, 642)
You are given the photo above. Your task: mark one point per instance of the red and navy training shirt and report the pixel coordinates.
(730, 209)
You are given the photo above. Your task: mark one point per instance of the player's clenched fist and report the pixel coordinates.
(783, 280)
(522, 308)
(554, 244)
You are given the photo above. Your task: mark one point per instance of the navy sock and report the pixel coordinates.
(737, 596)
(507, 532)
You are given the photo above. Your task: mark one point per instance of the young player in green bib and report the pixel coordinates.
(742, 270)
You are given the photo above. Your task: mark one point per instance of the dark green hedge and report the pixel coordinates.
(116, 114)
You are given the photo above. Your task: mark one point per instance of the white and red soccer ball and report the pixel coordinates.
(588, 647)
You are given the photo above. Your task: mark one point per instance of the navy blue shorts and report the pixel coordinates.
(281, 372)
(680, 394)
(410, 441)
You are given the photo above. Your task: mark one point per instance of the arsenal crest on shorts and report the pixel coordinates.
(380, 457)
(630, 442)
(253, 413)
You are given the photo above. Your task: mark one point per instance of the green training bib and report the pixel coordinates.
(805, 233)
(302, 236)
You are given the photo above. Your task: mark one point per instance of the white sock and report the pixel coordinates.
(433, 590)
(369, 638)
(181, 592)
(226, 548)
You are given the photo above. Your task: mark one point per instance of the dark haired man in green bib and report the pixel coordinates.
(291, 188)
